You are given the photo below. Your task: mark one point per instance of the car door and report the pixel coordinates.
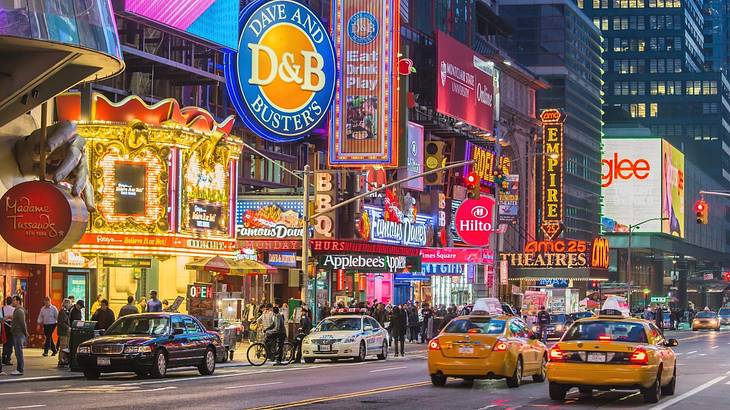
(375, 335)
(177, 343)
(520, 336)
(665, 353)
(196, 339)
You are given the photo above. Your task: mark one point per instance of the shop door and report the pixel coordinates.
(140, 275)
(402, 294)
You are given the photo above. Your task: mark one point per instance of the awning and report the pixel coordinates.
(228, 266)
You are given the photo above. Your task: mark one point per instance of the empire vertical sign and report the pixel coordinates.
(364, 123)
(552, 172)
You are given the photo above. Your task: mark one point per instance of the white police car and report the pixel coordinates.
(349, 333)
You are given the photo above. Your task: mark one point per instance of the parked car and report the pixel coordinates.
(151, 343)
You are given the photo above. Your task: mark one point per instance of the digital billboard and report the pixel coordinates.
(129, 189)
(672, 190)
(631, 181)
(215, 21)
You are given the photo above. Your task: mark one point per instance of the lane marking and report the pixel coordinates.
(715, 347)
(692, 352)
(342, 396)
(487, 407)
(688, 394)
(31, 406)
(245, 386)
(387, 369)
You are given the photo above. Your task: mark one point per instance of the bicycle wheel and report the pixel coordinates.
(289, 353)
(256, 354)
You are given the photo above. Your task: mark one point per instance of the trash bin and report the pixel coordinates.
(81, 331)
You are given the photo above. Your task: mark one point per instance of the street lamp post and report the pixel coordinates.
(630, 267)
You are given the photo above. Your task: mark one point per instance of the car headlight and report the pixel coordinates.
(350, 339)
(84, 350)
(559, 327)
(137, 349)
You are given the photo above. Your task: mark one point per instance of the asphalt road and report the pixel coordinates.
(703, 383)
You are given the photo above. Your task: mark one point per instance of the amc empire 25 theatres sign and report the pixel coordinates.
(561, 254)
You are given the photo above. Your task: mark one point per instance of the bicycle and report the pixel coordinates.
(261, 352)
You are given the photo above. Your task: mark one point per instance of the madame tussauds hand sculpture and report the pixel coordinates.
(66, 161)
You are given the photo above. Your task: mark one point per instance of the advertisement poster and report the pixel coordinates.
(76, 286)
(509, 200)
(207, 217)
(631, 184)
(277, 218)
(465, 84)
(414, 157)
(365, 112)
(485, 163)
(672, 190)
(129, 189)
(532, 301)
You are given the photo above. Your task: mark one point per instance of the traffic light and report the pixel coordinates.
(726, 276)
(701, 211)
(472, 182)
(435, 158)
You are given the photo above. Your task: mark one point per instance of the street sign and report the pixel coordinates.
(659, 299)
(709, 276)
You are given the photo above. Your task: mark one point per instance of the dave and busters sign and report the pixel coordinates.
(282, 78)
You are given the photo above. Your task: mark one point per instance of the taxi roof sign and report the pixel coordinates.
(615, 306)
(487, 306)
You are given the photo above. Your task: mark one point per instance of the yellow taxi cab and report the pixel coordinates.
(480, 346)
(706, 319)
(613, 351)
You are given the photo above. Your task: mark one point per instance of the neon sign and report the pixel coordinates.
(552, 172)
(561, 254)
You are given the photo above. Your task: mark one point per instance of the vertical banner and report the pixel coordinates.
(672, 190)
(414, 157)
(552, 172)
(324, 198)
(364, 121)
(509, 199)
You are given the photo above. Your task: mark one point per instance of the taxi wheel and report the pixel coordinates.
(438, 380)
(309, 360)
(516, 379)
(361, 353)
(468, 382)
(540, 377)
(557, 391)
(668, 390)
(384, 354)
(585, 391)
(91, 374)
(651, 395)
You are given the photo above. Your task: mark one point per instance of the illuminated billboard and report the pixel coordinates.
(364, 122)
(553, 135)
(215, 21)
(642, 179)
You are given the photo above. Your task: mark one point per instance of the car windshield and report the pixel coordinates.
(724, 312)
(340, 323)
(558, 318)
(706, 314)
(607, 330)
(484, 326)
(140, 325)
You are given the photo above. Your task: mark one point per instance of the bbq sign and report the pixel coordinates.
(283, 78)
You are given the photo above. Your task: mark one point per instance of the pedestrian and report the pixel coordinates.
(265, 320)
(275, 334)
(20, 334)
(64, 332)
(305, 324)
(380, 314)
(48, 318)
(165, 305)
(104, 317)
(448, 317)
(142, 305)
(543, 320)
(324, 311)
(130, 308)
(77, 311)
(659, 318)
(427, 314)
(412, 324)
(154, 304)
(398, 330)
(6, 313)
(96, 305)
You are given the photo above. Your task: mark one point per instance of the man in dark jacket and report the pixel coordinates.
(130, 308)
(543, 319)
(659, 317)
(448, 317)
(77, 311)
(380, 314)
(64, 332)
(398, 330)
(276, 333)
(412, 324)
(104, 317)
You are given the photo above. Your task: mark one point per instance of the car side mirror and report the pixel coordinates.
(368, 327)
(177, 331)
(671, 343)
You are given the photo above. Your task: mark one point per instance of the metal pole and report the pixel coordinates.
(629, 268)
(305, 236)
(43, 143)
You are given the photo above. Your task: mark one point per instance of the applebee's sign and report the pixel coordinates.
(371, 263)
(409, 232)
(474, 221)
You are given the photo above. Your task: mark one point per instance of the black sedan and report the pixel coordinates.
(151, 343)
(559, 323)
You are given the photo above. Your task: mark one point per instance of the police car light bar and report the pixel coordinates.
(349, 311)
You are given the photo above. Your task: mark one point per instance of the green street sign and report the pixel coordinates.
(659, 299)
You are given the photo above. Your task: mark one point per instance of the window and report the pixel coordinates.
(636, 110)
(517, 329)
(653, 110)
(608, 330)
(191, 327)
(709, 108)
(693, 88)
(476, 325)
(709, 87)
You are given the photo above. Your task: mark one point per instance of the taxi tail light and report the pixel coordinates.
(639, 356)
(556, 354)
(434, 345)
(500, 346)
(604, 338)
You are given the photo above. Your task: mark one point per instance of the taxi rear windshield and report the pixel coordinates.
(705, 314)
(484, 326)
(608, 331)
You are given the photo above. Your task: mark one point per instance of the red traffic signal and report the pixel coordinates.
(473, 188)
(471, 179)
(701, 211)
(726, 276)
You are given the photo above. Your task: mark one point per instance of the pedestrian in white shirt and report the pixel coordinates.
(48, 318)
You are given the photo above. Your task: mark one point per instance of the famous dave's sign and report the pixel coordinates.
(39, 216)
(474, 221)
(561, 254)
(371, 263)
(385, 226)
(552, 172)
(282, 79)
(279, 218)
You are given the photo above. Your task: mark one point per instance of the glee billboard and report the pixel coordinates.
(282, 78)
(464, 84)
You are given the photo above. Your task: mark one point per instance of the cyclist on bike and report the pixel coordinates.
(276, 333)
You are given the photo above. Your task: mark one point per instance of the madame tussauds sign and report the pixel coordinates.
(371, 263)
(41, 217)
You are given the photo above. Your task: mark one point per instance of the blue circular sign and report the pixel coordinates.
(282, 79)
(362, 28)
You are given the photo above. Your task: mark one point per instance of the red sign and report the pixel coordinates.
(465, 86)
(39, 217)
(452, 255)
(474, 221)
(119, 241)
(326, 246)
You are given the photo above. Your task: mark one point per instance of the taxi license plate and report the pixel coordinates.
(325, 348)
(103, 361)
(466, 350)
(597, 357)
